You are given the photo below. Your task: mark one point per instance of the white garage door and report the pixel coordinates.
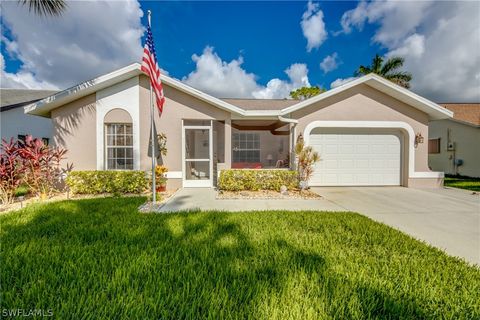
(350, 158)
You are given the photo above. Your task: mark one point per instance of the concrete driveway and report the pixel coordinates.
(446, 218)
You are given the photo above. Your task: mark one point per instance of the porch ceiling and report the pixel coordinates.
(262, 125)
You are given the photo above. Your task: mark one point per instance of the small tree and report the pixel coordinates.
(306, 92)
(11, 170)
(306, 159)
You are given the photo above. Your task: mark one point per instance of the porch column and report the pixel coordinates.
(228, 143)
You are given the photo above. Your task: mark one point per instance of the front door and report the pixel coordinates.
(197, 150)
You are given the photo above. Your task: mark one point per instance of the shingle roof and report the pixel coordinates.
(466, 112)
(261, 104)
(12, 98)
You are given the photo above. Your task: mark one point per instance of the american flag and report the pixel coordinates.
(150, 67)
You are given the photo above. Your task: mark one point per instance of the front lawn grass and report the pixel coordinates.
(461, 182)
(101, 259)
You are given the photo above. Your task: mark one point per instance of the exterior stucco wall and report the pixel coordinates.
(467, 147)
(178, 106)
(363, 103)
(15, 122)
(74, 128)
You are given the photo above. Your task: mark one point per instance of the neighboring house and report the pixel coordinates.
(454, 145)
(368, 131)
(14, 123)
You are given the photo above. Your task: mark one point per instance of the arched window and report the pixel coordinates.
(118, 140)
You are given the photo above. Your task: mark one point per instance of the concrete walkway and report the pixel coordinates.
(447, 218)
(204, 199)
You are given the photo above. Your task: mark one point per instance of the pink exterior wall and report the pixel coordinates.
(178, 106)
(75, 124)
(74, 128)
(363, 103)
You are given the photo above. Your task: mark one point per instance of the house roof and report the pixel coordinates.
(241, 107)
(468, 113)
(261, 104)
(434, 111)
(15, 98)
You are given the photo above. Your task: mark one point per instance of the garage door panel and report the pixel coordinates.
(356, 159)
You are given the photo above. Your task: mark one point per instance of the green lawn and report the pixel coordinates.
(101, 259)
(463, 182)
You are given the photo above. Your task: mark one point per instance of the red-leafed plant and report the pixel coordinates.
(42, 165)
(11, 170)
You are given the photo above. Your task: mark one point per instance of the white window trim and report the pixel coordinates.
(380, 125)
(126, 96)
(115, 146)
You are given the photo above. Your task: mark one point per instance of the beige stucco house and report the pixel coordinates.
(368, 131)
(454, 145)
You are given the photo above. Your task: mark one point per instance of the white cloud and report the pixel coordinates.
(329, 63)
(313, 26)
(220, 78)
(279, 89)
(413, 46)
(440, 42)
(228, 79)
(397, 19)
(22, 79)
(89, 39)
(341, 81)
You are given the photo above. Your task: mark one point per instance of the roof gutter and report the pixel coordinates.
(287, 120)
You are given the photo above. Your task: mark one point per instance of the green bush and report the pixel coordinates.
(245, 179)
(116, 182)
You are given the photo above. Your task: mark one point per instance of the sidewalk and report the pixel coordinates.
(204, 199)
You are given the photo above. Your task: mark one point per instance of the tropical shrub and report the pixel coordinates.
(115, 182)
(31, 163)
(160, 175)
(253, 179)
(306, 159)
(11, 170)
(43, 172)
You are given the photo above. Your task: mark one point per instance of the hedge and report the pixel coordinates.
(116, 182)
(245, 179)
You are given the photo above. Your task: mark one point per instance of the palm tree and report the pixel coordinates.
(45, 7)
(388, 70)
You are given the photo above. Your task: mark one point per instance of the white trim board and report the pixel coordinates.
(378, 125)
(126, 96)
(174, 175)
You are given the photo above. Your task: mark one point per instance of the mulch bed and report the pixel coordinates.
(268, 195)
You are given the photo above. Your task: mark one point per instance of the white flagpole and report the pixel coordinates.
(152, 121)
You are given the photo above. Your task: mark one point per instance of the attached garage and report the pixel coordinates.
(357, 157)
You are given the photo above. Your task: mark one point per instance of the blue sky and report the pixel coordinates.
(248, 49)
(266, 34)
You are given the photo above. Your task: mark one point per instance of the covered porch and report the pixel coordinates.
(260, 144)
(210, 146)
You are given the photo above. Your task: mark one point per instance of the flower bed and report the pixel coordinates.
(268, 195)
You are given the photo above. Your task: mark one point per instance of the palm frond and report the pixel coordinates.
(401, 78)
(362, 70)
(377, 64)
(45, 7)
(392, 64)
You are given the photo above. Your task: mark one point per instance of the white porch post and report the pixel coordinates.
(228, 143)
